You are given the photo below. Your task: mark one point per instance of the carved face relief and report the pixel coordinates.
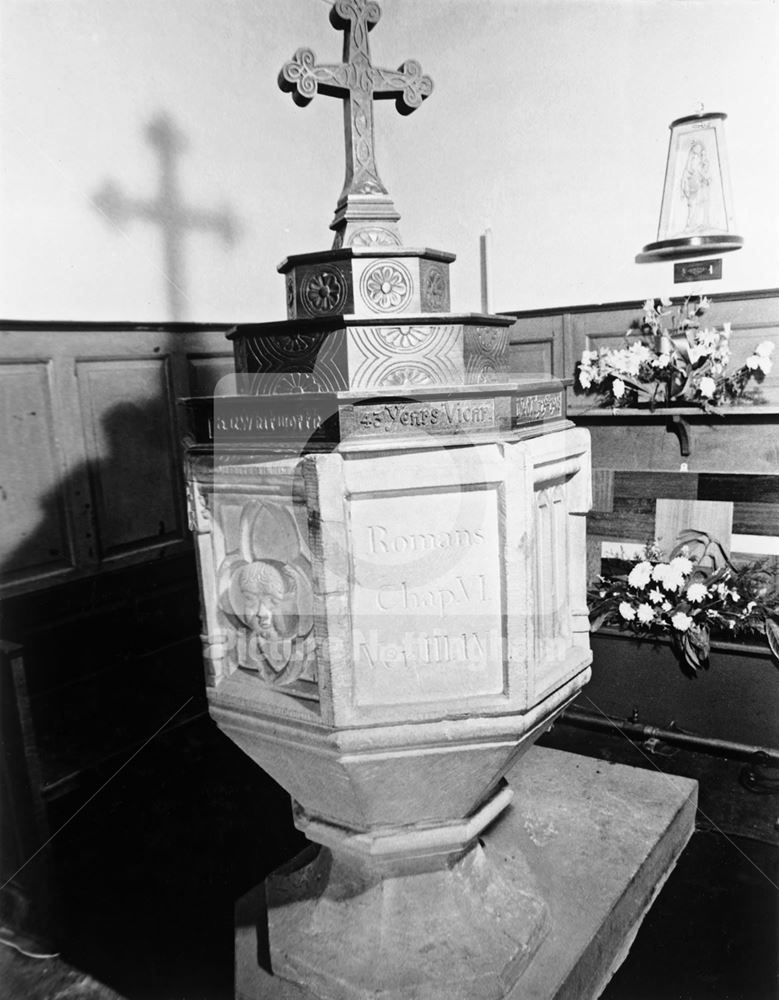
(267, 598)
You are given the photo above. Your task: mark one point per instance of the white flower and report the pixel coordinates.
(760, 362)
(627, 612)
(663, 361)
(681, 622)
(660, 572)
(645, 613)
(682, 565)
(698, 351)
(696, 592)
(707, 386)
(766, 349)
(667, 605)
(640, 575)
(735, 596)
(674, 579)
(655, 596)
(585, 378)
(618, 388)
(641, 352)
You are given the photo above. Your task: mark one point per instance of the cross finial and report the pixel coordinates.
(364, 214)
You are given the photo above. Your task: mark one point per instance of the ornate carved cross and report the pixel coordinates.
(364, 214)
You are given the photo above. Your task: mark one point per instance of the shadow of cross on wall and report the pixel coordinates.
(167, 210)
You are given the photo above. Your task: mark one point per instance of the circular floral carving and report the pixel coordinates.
(404, 338)
(407, 375)
(435, 287)
(386, 286)
(374, 236)
(323, 291)
(296, 382)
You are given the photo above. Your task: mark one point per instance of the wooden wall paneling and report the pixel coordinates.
(756, 518)
(27, 898)
(755, 488)
(603, 489)
(536, 345)
(592, 331)
(129, 421)
(670, 485)
(753, 320)
(211, 374)
(37, 542)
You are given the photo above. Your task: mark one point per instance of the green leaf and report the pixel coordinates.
(597, 621)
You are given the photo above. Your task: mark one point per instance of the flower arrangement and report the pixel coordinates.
(669, 358)
(695, 592)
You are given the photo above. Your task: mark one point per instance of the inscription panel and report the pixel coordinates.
(451, 416)
(533, 409)
(427, 596)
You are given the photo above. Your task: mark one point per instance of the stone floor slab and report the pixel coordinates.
(600, 840)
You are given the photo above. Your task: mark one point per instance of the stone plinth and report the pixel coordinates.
(596, 841)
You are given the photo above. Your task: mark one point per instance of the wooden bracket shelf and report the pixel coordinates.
(678, 420)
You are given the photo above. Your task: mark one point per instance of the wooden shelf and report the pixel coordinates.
(662, 412)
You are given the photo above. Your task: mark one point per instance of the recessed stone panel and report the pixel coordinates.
(485, 353)
(389, 356)
(294, 362)
(321, 290)
(427, 596)
(434, 285)
(387, 286)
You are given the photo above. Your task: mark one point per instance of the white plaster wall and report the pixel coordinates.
(549, 124)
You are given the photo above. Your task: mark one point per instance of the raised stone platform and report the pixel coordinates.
(599, 839)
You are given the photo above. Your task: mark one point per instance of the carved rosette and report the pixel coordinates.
(323, 291)
(386, 286)
(434, 282)
(374, 236)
